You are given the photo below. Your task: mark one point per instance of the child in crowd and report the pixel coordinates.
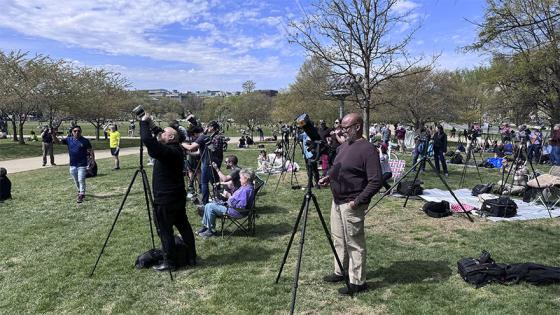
(5, 185)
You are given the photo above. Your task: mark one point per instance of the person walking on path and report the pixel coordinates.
(47, 138)
(114, 144)
(78, 150)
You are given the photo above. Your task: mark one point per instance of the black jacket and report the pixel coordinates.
(440, 141)
(168, 184)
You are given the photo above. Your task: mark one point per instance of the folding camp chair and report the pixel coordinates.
(245, 222)
(550, 185)
(397, 167)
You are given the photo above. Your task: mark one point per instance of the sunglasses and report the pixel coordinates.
(77, 130)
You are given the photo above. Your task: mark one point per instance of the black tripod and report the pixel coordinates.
(522, 148)
(293, 176)
(304, 209)
(417, 167)
(149, 202)
(284, 148)
(470, 153)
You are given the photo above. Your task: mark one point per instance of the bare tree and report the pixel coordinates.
(353, 37)
(22, 86)
(248, 86)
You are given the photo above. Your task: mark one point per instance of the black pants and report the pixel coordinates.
(386, 177)
(167, 216)
(314, 170)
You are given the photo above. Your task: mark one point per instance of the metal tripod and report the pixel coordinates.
(303, 211)
(149, 202)
(417, 167)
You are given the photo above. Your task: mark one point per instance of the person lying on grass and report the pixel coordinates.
(240, 199)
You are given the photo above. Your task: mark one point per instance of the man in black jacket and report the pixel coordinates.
(169, 193)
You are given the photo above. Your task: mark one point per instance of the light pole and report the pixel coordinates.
(343, 87)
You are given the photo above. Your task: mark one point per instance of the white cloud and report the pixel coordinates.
(455, 60)
(403, 6)
(212, 42)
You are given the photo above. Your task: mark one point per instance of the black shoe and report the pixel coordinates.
(333, 277)
(202, 230)
(354, 288)
(164, 267)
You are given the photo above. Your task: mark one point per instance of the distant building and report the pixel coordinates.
(271, 93)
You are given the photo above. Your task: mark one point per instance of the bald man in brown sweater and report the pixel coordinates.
(354, 178)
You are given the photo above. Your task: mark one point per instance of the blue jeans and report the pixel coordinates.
(439, 157)
(206, 177)
(211, 211)
(534, 151)
(555, 155)
(79, 175)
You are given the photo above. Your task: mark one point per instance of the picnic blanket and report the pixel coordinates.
(525, 210)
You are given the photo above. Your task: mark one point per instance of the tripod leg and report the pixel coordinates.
(394, 185)
(294, 230)
(333, 249)
(114, 221)
(423, 159)
(545, 200)
(477, 169)
(149, 203)
(451, 191)
(300, 253)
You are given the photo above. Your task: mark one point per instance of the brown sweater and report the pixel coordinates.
(356, 173)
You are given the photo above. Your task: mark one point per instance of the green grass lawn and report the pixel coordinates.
(49, 244)
(13, 150)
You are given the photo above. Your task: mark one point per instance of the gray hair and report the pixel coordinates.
(247, 172)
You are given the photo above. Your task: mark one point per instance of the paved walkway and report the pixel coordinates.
(33, 163)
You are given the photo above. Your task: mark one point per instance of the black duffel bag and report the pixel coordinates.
(499, 207)
(437, 209)
(481, 189)
(410, 188)
(481, 271)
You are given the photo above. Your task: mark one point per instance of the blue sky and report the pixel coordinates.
(199, 45)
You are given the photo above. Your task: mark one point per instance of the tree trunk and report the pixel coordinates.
(14, 127)
(366, 120)
(21, 138)
(97, 132)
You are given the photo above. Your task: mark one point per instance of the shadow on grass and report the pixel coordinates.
(241, 255)
(268, 231)
(406, 272)
(264, 208)
(121, 194)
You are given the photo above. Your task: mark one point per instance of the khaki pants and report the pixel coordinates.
(347, 229)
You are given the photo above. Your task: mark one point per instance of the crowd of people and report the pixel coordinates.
(354, 168)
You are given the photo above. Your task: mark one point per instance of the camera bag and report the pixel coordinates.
(481, 189)
(484, 270)
(437, 209)
(410, 188)
(481, 271)
(499, 207)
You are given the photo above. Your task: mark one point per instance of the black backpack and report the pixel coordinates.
(410, 188)
(499, 207)
(481, 271)
(437, 209)
(484, 270)
(155, 256)
(457, 159)
(481, 189)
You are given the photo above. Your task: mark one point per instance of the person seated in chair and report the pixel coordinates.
(240, 199)
(231, 182)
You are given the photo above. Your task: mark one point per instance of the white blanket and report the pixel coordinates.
(525, 211)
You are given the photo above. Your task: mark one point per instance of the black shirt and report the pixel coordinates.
(5, 188)
(167, 179)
